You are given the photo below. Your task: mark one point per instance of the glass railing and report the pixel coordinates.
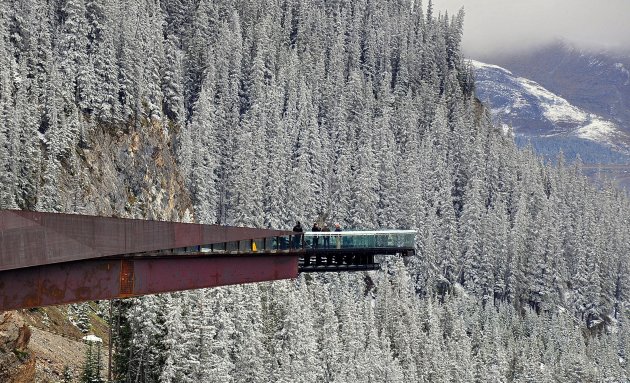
(385, 239)
(259, 245)
(382, 239)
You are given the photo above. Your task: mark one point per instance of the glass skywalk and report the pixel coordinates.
(310, 241)
(378, 239)
(319, 251)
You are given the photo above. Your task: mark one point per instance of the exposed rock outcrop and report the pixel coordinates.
(17, 363)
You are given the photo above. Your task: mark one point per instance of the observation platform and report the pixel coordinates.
(353, 250)
(317, 251)
(51, 259)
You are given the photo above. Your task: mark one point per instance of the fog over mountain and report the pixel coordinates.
(495, 27)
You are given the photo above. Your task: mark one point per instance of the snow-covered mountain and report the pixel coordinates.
(597, 81)
(532, 110)
(551, 123)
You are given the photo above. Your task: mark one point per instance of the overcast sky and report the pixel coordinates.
(493, 26)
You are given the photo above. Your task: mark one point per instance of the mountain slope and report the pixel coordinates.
(530, 109)
(595, 81)
(550, 123)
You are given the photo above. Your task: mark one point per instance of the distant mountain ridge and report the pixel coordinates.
(560, 98)
(532, 110)
(597, 82)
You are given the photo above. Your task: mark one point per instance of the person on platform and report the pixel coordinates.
(338, 238)
(326, 229)
(297, 238)
(316, 229)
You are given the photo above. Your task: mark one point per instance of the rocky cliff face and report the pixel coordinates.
(124, 172)
(128, 173)
(17, 363)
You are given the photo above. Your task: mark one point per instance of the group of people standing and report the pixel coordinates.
(316, 228)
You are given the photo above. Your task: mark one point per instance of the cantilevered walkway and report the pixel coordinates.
(49, 259)
(353, 250)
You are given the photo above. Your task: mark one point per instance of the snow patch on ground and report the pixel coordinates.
(507, 130)
(520, 102)
(597, 130)
(625, 71)
(556, 108)
(92, 338)
(478, 65)
(594, 61)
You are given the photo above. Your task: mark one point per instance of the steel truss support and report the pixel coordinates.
(97, 279)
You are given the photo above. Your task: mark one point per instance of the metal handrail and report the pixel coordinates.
(357, 232)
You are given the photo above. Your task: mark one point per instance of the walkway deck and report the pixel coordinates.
(317, 251)
(353, 250)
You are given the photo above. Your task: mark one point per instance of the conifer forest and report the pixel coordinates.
(265, 112)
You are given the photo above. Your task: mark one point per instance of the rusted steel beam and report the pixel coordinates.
(33, 238)
(96, 279)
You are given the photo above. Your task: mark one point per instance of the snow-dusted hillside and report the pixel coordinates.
(597, 81)
(532, 110)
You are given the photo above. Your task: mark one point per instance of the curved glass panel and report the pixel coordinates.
(382, 239)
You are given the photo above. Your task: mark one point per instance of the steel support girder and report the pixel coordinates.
(97, 279)
(29, 238)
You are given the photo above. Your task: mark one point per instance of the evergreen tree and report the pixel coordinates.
(67, 374)
(92, 368)
(75, 65)
(204, 161)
